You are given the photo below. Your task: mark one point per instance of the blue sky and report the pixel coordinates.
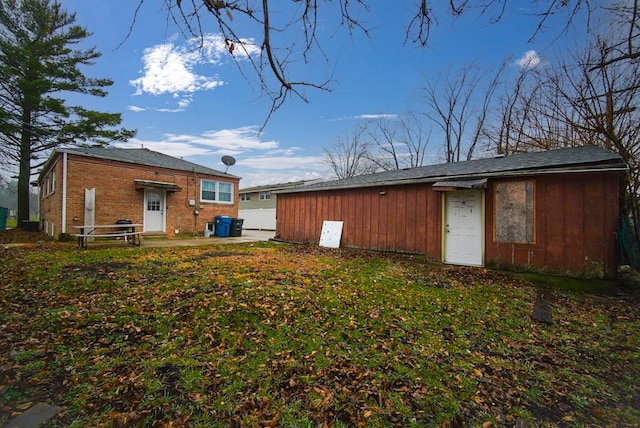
(196, 104)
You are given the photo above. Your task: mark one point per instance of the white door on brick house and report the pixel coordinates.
(463, 237)
(154, 210)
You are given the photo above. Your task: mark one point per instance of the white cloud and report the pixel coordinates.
(136, 108)
(225, 141)
(369, 117)
(238, 139)
(530, 59)
(376, 116)
(178, 150)
(298, 163)
(185, 101)
(258, 161)
(169, 110)
(170, 68)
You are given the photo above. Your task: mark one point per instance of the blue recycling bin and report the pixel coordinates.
(223, 226)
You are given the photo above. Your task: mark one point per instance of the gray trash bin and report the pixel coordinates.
(236, 227)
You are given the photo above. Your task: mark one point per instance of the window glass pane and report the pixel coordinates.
(225, 191)
(216, 191)
(208, 190)
(153, 202)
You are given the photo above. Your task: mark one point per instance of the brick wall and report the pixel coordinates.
(51, 201)
(116, 195)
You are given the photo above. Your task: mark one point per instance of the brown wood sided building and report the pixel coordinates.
(103, 185)
(554, 211)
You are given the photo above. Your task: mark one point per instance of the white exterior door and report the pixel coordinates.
(154, 207)
(463, 228)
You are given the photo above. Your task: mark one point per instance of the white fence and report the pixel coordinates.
(261, 218)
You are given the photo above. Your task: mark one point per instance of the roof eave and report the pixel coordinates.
(618, 167)
(134, 162)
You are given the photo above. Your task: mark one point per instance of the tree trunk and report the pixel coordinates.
(24, 174)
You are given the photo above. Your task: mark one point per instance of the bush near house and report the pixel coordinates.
(297, 336)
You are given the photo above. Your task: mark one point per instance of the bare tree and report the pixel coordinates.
(625, 45)
(457, 104)
(514, 109)
(584, 101)
(604, 102)
(349, 156)
(292, 34)
(397, 143)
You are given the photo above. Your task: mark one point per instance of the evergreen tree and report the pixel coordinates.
(39, 66)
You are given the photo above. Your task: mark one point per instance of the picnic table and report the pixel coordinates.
(127, 231)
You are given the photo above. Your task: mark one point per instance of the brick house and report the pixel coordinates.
(167, 195)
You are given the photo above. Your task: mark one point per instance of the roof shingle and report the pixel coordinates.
(143, 157)
(587, 157)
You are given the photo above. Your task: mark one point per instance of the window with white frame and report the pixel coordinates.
(216, 191)
(53, 181)
(264, 196)
(245, 197)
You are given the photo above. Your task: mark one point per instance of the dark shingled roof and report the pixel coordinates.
(279, 186)
(574, 158)
(143, 157)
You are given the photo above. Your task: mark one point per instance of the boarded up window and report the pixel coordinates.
(514, 212)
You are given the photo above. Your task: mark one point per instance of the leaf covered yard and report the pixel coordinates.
(272, 335)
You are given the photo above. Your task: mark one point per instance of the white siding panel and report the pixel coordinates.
(261, 218)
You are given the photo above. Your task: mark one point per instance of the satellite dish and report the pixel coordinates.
(228, 161)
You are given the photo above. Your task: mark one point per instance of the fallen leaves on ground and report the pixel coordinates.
(274, 335)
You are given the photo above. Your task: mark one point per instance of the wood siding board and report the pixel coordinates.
(383, 223)
(366, 220)
(574, 231)
(555, 223)
(305, 217)
(434, 224)
(393, 218)
(374, 219)
(410, 226)
(612, 222)
(399, 218)
(421, 220)
(540, 222)
(285, 216)
(311, 206)
(295, 219)
(322, 213)
(359, 218)
(290, 219)
(349, 225)
(599, 235)
(491, 247)
(336, 207)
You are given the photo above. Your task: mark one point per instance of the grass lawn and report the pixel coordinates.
(294, 336)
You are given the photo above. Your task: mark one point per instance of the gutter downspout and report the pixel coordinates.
(63, 229)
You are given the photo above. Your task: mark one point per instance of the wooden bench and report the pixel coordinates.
(126, 231)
